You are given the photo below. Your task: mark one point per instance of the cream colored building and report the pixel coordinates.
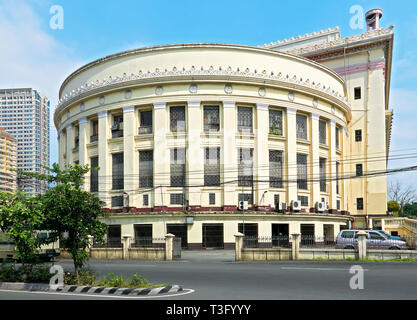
(8, 145)
(182, 133)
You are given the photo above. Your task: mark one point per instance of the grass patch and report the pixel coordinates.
(89, 278)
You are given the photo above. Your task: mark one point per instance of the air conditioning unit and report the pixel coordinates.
(320, 206)
(280, 207)
(114, 127)
(295, 205)
(243, 205)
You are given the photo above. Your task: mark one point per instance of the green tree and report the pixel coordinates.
(20, 217)
(410, 209)
(72, 214)
(393, 206)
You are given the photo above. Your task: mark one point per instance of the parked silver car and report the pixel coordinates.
(348, 239)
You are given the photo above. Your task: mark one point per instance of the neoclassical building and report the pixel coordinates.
(183, 133)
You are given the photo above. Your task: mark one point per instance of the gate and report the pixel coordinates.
(213, 235)
(176, 254)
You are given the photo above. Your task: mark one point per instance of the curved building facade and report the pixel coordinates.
(182, 133)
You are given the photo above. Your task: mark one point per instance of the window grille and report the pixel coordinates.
(117, 201)
(212, 167)
(301, 126)
(177, 119)
(177, 198)
(211, 118)
(245, 167)
(275, 122)
(358, 135)
(359, 203)
(177, 167)
(338, 204)
(359, 171)
(275, 169)
(323, 184)
(244, 119)
(303, 200)
(117, 171)
(276, 199)
(302, 171)
(94, 175)
(322, 132)
(146, 200)
(212, 198)
(146, 169)
(245, 197)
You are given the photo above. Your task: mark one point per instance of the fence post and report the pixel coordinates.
(295, 246)
(126, 246)
(362, 244)
(90, 244)
(169, 246)
(238, 246)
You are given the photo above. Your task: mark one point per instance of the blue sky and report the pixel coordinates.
(93, 29)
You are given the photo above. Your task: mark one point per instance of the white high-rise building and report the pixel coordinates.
(24, 113)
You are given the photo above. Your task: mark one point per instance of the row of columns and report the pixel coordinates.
(195, 154)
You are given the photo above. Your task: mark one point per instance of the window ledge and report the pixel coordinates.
(181, 134)
(303, 141)
(245, 135)
(144, 136)
(115, 140)
(324, 146)
(276, 137)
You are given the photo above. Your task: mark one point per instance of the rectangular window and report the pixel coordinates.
(245, 197)
(337, 135)
(338, 204)
(244, 119)
(145, 122)
(94, 174)
(117, 201)
(323, 132)
(358, 135)
(211, 118)
(337, 177)
(117, 127)
(177, 167)
(245, 167)
(303, 200)
(359, 203)
(94, 132)
(275, 169)
(177, 198)
(301, 126)
(357, 93)
(323, 184)
(177, 119)
(146, 169)
(212, 198)
(302, 171)
(117, 171)
(212, 167)
(145, 200)
(359, 170)
(276, 199)
(275, 122)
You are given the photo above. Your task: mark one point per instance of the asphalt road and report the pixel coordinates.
(213, 275)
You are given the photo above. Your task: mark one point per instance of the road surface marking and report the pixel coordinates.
(104, 296)
(321, 269)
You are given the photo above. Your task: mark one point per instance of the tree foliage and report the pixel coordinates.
(402, 194)
(393, 206)
(72, 214)
(20, 218)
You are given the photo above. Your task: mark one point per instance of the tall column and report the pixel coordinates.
(61, 146)
(130, 156)
(69, 143)
(161, 156)
(82, 149)
(332, 161)
(104, 174)
(229, 153)
(291, 154)
(344, 168)
(315, 152)
(261, 153)
(195, 155)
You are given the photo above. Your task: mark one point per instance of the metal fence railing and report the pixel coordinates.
(109, 243)
(148, 242)
(310, 241)
(267, 242)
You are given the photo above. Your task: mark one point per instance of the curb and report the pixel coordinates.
(90, 290)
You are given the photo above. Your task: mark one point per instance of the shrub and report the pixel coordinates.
(35, 273)
(138, 282)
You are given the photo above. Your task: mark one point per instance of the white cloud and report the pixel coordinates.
(30, 57)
